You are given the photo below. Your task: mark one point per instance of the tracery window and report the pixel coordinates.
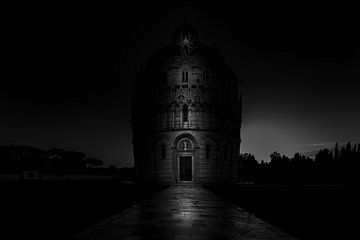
(186, 50)
(185, 113)
(185, 76)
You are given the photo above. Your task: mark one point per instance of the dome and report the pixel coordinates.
(185, 34)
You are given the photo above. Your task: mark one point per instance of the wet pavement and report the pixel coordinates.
(183, 212)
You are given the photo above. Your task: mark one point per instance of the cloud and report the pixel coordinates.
(318, 145)
(310, 150)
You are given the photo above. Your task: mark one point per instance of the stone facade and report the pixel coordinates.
(186, 115)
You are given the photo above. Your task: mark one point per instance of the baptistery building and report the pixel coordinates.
(186, 115)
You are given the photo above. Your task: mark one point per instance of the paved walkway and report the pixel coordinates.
(183, 212)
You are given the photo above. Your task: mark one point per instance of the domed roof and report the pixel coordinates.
(185, 34)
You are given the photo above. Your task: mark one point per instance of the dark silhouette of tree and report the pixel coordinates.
(280, 166)
(338, 167)
(64, 162)
(19, 159)
(93, 162)
(6, 162)
(348, 147)
(55, 160)
(327, 167)
(275, 157)
(301, 169)
(248, 167)
(74, 159)
(336, 152)
(16, 159)
(112, 169)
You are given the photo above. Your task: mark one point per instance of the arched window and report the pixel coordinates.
(163, 151)
(205, 75)
(185, 145)
(185, 113)
(207, 151)
(186, 50)
(185, 76)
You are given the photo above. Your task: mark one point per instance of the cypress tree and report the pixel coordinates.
(354, 148)
(348, 147)
(336, 152)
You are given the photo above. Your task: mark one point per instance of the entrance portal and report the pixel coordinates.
(185, 169)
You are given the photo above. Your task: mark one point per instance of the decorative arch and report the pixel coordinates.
(185, 150)
(186, 136)
(185, 145)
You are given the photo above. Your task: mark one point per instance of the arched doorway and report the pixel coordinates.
(185, 150)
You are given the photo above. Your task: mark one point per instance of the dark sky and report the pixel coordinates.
(68, 71)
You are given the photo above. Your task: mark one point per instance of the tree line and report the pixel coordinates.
(339, 166)
(18, 158)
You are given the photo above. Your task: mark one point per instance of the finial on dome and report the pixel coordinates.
(185, 34)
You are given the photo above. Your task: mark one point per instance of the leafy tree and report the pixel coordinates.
(93, 162)
(248, 167)
(73, 159)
